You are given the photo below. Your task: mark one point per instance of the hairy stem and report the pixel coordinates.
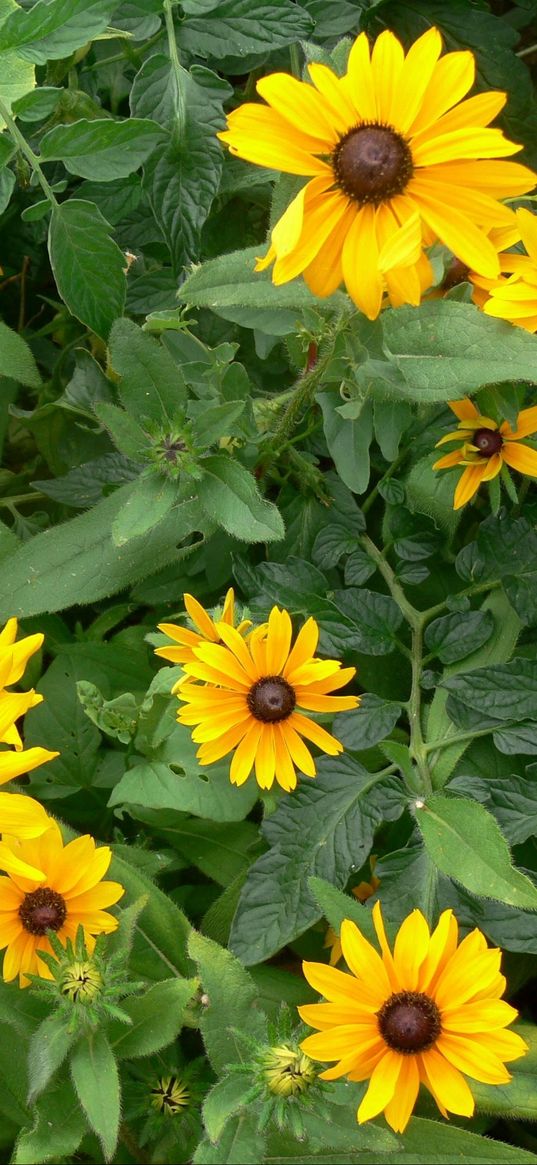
(180, 108)
(26, 149)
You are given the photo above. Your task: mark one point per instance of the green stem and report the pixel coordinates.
(180, 109)
(25, 149)
(300, 400)
(395, 465)
(18, 499)
(532, 48)
(467, 593)
(460, 738)
(295, 61)
(410, 613)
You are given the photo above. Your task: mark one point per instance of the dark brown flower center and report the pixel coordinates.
(271, 699)
(372, 163)
(488, 441)
(42, 910)
(409, 1022)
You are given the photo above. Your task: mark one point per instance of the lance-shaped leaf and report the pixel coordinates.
(88, 266)
(102, 149)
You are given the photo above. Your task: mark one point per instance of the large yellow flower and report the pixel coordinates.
(206, 629)
(485, 446)
(70, 893)
(429, 1013)
(13, 659)
(396, 159)
(249, 696)
(21, 818)
(513, 296)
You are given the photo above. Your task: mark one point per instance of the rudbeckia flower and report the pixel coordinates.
(396, 160)
(23, 819)
(513, 296)
(206, 629)
(430, 1013)
(70, 894)
(485, 446)
(248, 701)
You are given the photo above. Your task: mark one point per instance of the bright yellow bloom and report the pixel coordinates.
(485, 446)
(427, 1013)
(363, 891)
(13, 659)
(513, 296)
(249, 707)
(206, 629)
(397, 160)
(21, 818)
(69, 894)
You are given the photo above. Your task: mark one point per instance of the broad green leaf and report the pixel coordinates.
(230, 281)
(375, 619)
(60, 724)
(517, 1100)
(50, 31)
(452, 637)
(57, 1130)
(230, 497)
(465, 842)
(446, 350)
(223, 1101)
(222, 850)
(48, 1048)
(512, 800)
(207, 793)
(151, 384)
(39, 104)
(348, 440)
(129, 438)
(102, 149)
(232, 1003)
(336, 906)
(87, 484)
(507, 691)
(241, 1142)
(16, 358)
(82, 253)
(234, 28)
(151, 500)
(325, 829)
(17, 76)
(161, 929)
(157, 1018)
(367, 725)
(95, 1077)
(77, 562)
(505, 549)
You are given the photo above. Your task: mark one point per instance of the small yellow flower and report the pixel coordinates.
(288, 1071)
(206, 629)
(396, 160)
(363, 891)
(170, 1096)
(485, 447)
(247, 701)
(513, 296)
(70, 894)
(13, 659)
(429, 1013)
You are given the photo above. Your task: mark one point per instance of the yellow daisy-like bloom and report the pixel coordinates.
(429, 1013)
(249, 707)
(513, 296)
(13, 659)
(485, 447)
(206, 632)
(396, 159)
(70, 893)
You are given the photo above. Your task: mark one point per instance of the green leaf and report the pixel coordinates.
(234, 28)
(223, 851)
(162, 929)
(512, 800)
(336, 906)
(450, 827)
(50, 31)
(446, 350)
(374, 619)
(505, 548)
(17, 77)
(48, 1048)
(151, 500)
(325, 829)
(507, 691)
(241, 1143)
(101, 149)
(157, 1018)
(129, 438)
(77, 562)
(230, 281)
(82, 253)
(452, 637)
(232, 1002)
(96, 1080)
(16, 359)
(348, 440)
(59, 723)
(223, 1101)
(152, 384)
(57, 1130)
(229, 496)
(155, 785)
(210, 424)
(367, 725)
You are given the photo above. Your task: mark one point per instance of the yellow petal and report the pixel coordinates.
(360, 263)
(387, 61)
(471, 1057)
(382, 1086)
(358, 82)
(468, 485)
(458, 232)
(526, 423)
(451, 79)
(520, 457)
(414, 78)
(476, 112)
(399, 1109)
(364, 962)
(410, 950)
(300, 105)
(259, 134)
(15, 764)
(446, 1083)
(528, 230)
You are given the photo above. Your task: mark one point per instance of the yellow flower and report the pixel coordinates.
(252, 708)
(427, 1013)
(287, 1071)
(23, 819)
(206, 629)
(13, 659)
(363, 891)
(485, 446)
(70, 894)
(396, 160)
(513, 296)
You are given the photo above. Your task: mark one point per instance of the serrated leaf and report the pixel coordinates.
(234, 28)
(81, 253)
(452, 637)
(232, 1002)
(157, 1018)
(230, 497)
(465, 842)
(367, 725)
(512, 800)
(326, 829)
(374, 618)
(95, 1077)
(50, 31)
(151, 384)
(348, 440)
(507, 691)
(223, 1101)
(16, 358)
(101, 149)
(127, 435)
(446, 350)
